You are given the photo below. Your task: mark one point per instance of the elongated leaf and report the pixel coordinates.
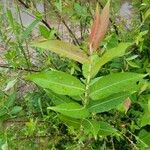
(64, 49)
(56, 98)
(86, 67)
(98, 128)
(29, 29)
(59, 82)
(94, 30)
(91, 127)
(10, 84)
(106, 129)
(108, 103)
(108, 56)
(114, 83)
(73, 110)
(71, 122)
(15, 110)
(144, 136)
(99, 27)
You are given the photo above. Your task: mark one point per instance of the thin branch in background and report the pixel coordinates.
(112, 141)
(43, 21)
(130, 141)
(64, 22)
(87, 143)
(26, 44)
(6, 66)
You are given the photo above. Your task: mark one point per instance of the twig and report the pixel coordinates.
(26, 44)
(18, 68)
(130, 141)
(63, 21)
(43, 21)
(33, 137)
(88, 142)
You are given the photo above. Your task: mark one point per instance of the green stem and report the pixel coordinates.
(88, 84)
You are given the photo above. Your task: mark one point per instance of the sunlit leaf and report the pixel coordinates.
(63, 49)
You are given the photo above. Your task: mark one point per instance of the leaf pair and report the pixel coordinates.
(97, 62)
(99, 27)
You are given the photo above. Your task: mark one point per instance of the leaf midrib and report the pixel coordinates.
(108, 101)
(111, 85)
(56, 83)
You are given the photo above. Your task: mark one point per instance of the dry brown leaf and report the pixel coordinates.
(99, 27)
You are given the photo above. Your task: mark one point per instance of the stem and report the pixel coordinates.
(87, 87)
(75, 40)
(86, 101)
(18, 68)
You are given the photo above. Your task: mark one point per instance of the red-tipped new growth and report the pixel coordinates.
(99, 27)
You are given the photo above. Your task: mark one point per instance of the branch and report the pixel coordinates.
(87, 143)
(63, 21)
(18, 68)
(43, 21)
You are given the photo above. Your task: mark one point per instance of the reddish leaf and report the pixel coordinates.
(94, 29)
(127, 104)
(99, 27)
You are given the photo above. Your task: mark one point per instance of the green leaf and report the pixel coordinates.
(3, 112)
(91, 126)
(64, 49)
(10, 84)
(45, 32)
(10, 101)
(85, 67)
(15, 110)
(114, 83)
(106, 129)
(73, 110)
(108, 103)
(59, 82)
(98, 128)
(29, 29)
(146, 15)
(71, 122)
(56, 98)
(144, 136)
(108, 56)
(11, 20)
(145, 118)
